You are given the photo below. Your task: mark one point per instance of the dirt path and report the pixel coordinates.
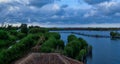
(37, 46)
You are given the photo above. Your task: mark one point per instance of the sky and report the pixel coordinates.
(61, 13)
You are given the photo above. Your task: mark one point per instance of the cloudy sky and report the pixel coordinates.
(61, 13)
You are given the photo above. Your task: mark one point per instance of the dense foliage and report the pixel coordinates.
(17, 41)
(115, 34)
(53, 43)
(37, 30)
(24, 28)
(52, 34)
(3, 35)
(76, 48)
(17, 50)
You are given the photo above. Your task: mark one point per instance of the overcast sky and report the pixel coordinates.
(61, 13)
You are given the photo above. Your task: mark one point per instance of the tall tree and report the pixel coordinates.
(24, 28)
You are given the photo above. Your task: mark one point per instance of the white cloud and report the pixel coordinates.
(24, 2)
(13, 8)
(90, 13)
(5, 1)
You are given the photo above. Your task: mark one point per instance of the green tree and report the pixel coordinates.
(3, 35)
(82, 54)
(71, 37)
(37, 30)
(24, 28)
(75, 46)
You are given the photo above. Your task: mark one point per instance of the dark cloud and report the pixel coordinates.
(46, 11)
(40, 3)
(106, 9)
(95, 1)
(64, 6)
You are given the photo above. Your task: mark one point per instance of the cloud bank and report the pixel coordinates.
(60, 12)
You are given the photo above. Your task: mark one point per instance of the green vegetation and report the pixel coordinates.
(24, 28)
(15, 42)
(53, 43)
(37, 30)
(115, 35)
(3, 35)
(17, 50)
(76, 48)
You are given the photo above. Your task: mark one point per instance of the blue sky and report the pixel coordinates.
(61, 13)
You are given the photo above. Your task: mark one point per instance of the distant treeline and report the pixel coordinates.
(88, 28)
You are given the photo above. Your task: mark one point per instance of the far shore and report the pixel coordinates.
(86, 28)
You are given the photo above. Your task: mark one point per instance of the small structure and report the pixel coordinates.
(47, 58)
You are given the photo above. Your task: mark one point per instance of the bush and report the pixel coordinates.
(24, 28)
(52, 34)
(21, 35)
(75, 46)
(13, 32)
(17, 50)
(114, 34)
(50, 43)
(12, 38)
(71, 37)
(53, 43)
(60, 44)
(5, 43)
(83, 43)
(68, 51)
(82, 54)
(37, 30)
(3, 35)
(46, 49)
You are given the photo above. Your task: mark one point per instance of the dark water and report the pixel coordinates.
(105, 50)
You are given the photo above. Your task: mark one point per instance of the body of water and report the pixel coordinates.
(105, 50)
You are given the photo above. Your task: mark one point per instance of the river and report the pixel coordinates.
(105, 50)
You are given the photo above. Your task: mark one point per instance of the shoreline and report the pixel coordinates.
(95, 29)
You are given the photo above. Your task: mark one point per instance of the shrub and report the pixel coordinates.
(37, 30)
(24, 28)
(52, 44)
(82, 54)
(83, 43)
(13, 32)
(68, 51)
(115, 34)
(71, 37)
(75, 46)
(46, 49)
(21, 35)
(52, 34)
(60, 44)
(17, 50)
(3, 35)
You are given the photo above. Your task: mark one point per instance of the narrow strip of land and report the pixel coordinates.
(89, 35)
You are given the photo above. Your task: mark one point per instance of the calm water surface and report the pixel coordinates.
(105, 50)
